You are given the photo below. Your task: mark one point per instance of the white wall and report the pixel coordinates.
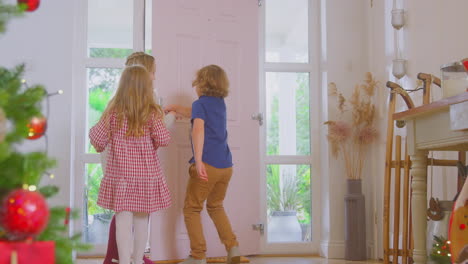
(344, 61)
(43, 40)
(381, 41)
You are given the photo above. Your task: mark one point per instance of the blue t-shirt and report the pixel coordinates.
(215, 148)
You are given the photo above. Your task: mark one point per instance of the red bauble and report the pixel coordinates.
(23, 214)
(67, 215)
(37, 127)
(32, 4)
(465, 63)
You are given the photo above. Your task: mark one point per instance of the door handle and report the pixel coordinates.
(259, 227)
(258, 117)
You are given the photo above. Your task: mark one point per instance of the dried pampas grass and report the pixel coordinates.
(352, 139)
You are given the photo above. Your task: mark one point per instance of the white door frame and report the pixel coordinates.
(313, 68)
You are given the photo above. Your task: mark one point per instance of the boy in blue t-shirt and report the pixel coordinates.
(211, 164)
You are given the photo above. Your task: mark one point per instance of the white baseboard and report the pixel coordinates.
(336, 250)
(332, 249)
(370, 251)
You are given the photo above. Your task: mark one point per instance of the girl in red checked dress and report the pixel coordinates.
(131, 129)
(149, 62)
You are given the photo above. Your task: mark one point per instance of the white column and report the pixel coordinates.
(287, 122)
(419, 204)
(287, 113)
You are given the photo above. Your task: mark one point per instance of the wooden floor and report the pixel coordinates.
(271, 260)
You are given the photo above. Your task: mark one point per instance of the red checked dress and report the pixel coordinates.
(133, 179)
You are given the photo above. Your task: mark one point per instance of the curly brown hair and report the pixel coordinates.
(212, 80)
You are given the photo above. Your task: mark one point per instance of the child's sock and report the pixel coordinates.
(124, 235)
(140, 224)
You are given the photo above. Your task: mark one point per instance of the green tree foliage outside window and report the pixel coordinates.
(102, 83)
(273, 129)
(109, 53)
(303, 115)
(295, 195)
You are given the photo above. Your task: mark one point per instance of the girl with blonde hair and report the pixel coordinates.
(149, 62)
(132, 129)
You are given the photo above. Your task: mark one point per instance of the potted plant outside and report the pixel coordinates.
(287, 199)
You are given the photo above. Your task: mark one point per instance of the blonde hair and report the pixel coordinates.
(212, 80)
(141, 58)
(134, 100)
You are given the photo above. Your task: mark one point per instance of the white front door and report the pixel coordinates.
(188, 35)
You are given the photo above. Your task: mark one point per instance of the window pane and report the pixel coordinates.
(96, 220)
(102, 83)
(148, 26)
(110, 28)
(287, 31)
(287, 116)
(288, 203)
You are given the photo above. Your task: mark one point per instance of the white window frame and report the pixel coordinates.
(80, 94)
(312, 67)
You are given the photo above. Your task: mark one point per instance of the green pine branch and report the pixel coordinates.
(18, 169)
(440, 251)
(49, 191)
(57, 230)
(20, 104)
(9, 11)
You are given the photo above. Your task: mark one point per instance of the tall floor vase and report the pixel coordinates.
(355, 222)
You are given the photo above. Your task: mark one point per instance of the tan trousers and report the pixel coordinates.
(213, 192)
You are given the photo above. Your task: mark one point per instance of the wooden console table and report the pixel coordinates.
(441, 125)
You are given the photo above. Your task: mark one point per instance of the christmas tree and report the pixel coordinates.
(26, 221)
(441, 250)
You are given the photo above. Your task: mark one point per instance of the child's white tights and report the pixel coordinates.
(124, 223)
